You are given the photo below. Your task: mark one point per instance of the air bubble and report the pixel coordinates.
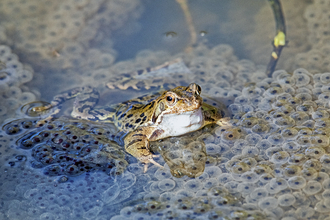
(296, 182)
(209, 183)
(268, 203)
(280, 157)
(231, 186)
(253, 139)
(249, 177)
(312, 187)
(126, 180)
(326, 184)
(324, 97)
(245, 188)
(322, 207)
(304, 212)
(3, 110)
(167, 197)
(325, 78)
(224, 178)
(275, 139)
(289, 133)
(324, 88)
(25, 76)
(271, 151)
(259, 194)
(273, 91)
(231, 135)
(314, 152)
(241, 100)
(235, 108)
(325, 160)
(320, 114)
(251, 91)
(162, 174)
(301, 79)
(212, 149)
(264, 144)
(193, 185)
(47, 216)
(166, 184)
(278, 184)
(286, 200)
(27, 97)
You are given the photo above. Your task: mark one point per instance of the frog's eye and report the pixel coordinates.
(198, 89)
(195, 88)
(170, 99)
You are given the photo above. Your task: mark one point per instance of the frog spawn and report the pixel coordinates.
(274, 159)
(13, 76)
(259, 159)
(68, 147)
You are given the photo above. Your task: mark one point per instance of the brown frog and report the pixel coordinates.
(148, 118)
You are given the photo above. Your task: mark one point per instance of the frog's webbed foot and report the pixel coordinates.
(149, 159)
(223, 121)
(41, 108)
(48, 118)
(46, 112)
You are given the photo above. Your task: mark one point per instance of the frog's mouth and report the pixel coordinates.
(179, 124)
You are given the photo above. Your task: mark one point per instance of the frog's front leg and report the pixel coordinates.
(137, 144)
(213, 115)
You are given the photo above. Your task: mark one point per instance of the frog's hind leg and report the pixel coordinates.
(56, 104)
(85, 102)
(84, 107)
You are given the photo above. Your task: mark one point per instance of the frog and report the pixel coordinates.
(170, 113)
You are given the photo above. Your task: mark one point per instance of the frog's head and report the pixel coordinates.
(179, 100)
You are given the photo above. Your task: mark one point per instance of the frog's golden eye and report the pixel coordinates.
(195, 88)
(170, 99)
(198, 89)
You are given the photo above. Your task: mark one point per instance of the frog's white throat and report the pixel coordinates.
(179, 124)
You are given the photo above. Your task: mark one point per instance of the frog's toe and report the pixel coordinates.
(41, 108)
(223, 121)
(149, 159)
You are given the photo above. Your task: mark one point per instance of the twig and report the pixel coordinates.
(192, 31)
(279, 40)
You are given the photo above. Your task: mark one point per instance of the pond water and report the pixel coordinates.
(270, 162)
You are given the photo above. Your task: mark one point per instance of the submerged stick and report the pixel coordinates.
(187, 15)
(279, 40)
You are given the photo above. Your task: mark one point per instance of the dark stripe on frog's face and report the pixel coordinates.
(149, 105)
(158, 110)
